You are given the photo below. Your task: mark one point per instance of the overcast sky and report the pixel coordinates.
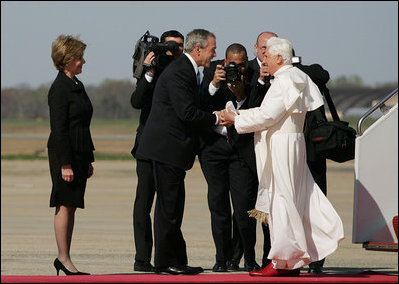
(346, 38)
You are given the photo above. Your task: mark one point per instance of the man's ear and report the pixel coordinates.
(197, 49)
(280, 59)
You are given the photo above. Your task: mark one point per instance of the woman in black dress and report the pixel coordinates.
(70, 146)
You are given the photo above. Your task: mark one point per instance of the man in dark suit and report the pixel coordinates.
(228, 162)
(170, 140)
(142, 99)
(260, 83)
(257, 93)
(259, 88)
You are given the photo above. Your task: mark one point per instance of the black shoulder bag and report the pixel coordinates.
(334, 140)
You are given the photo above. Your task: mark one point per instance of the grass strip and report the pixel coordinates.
(97, 156)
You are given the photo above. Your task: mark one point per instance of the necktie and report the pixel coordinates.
(230, 132)
(198, 78)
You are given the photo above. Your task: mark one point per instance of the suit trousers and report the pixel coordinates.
(142, 226)
(318, 169)
(170, 246)
(238, 249)
(228, 175)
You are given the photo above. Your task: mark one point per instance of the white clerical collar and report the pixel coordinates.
(192, 62)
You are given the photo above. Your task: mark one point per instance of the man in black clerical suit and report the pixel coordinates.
(228, 161)
(260, 83)
(170, 140)
(142, 99)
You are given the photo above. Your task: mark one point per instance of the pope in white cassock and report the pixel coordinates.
(304, 226)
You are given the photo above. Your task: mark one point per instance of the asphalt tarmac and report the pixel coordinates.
(103, 235)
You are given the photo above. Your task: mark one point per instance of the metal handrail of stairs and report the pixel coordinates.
(380, 104)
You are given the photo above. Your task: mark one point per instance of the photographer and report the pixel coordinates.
(154, 63)
(228, 161)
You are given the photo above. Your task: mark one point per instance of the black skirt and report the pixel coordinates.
(65, 193)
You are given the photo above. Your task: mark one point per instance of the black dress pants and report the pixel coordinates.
(266, 245)
(318, 169)
(238, 250)
(228, 176)
(142, 226)
(170, 246)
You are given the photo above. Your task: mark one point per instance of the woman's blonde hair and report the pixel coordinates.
(65, 49)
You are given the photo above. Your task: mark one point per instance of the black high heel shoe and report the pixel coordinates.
(58, 265)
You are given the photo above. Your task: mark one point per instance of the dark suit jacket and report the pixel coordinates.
(253, 71)
(258, 90)
(70, 117)
(142, 99)
(171, 132)
(320, 77)
(243, 144)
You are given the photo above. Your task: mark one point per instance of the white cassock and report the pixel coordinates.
(304, 226)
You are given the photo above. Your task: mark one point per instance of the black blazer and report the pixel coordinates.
(253, 70)
(258, 90)
(243, 144)
(70, 117)
(142, 99)
(171, 132)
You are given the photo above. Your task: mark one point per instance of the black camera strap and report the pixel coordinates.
(331, 107)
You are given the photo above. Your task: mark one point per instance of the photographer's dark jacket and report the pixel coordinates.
(211, 141)
(142, 99)
(70, 116)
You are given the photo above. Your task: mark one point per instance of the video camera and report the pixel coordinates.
(233, 72)
(144, 46)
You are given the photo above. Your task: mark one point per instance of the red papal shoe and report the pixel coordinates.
(262, 271)
(270, 271)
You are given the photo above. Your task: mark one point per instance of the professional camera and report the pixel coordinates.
(233, 72)
(161, 58)
(145, 45)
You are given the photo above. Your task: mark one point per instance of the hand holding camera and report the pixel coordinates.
(235, 80)
(220, 75)
(231, 73)
(147, 63)
(148, 44)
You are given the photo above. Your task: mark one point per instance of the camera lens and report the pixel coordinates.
(233, 73)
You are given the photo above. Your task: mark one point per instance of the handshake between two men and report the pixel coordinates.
(226, 116)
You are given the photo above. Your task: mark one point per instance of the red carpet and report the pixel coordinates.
(364, 277)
